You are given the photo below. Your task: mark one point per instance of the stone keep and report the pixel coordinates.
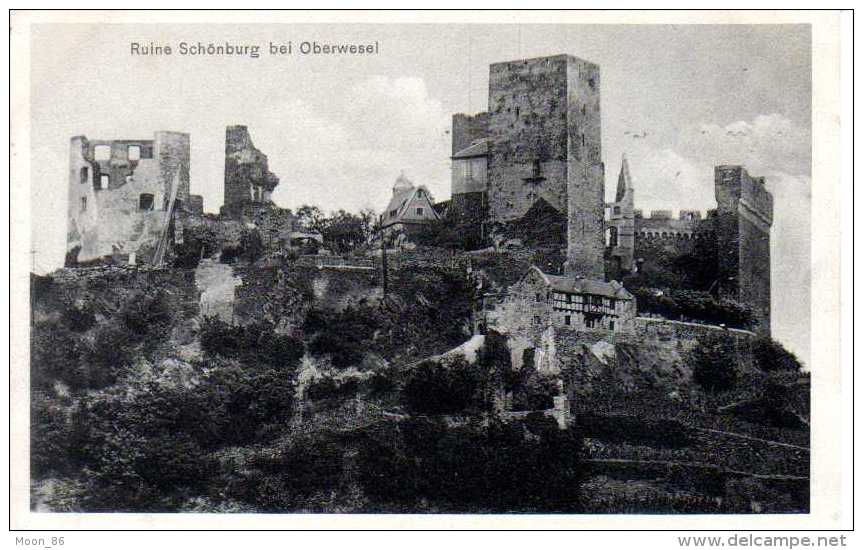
(545, 142)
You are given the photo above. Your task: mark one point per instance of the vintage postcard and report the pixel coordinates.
(502, 270)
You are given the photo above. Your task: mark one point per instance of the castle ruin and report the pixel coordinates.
(124, 196)
(248, 179)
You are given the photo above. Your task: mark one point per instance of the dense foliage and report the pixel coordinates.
(436, 388)
(693, 305)
(254, 344)
(529, 466)
(771, 356)
(714, 366)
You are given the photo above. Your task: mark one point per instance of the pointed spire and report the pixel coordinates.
(624, 181)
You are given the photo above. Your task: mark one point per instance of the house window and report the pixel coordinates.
(104, 181)
(102, 152)
(537, 169)
(569, 298)
(145, 202)
(420, 193)
(393, 213)
(590, 322)
(85, 174)
(536, 320)
(467, 169)
(538, 297)
(134, 152)
(83, 204)
(567, 320)
(611, 325)
(617, 210)
(419, 211)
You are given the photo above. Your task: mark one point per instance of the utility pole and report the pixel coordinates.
(383, 258)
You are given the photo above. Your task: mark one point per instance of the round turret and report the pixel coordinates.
(402, 184)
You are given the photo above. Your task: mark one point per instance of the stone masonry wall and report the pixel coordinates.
(467, 129)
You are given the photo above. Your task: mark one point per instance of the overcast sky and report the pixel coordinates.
(338, 130)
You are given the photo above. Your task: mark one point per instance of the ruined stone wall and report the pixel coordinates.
(467, 129)
(247, 175)
(107, 287)
(521, 313)
(118, 201)
(274, 224)
(655, 353)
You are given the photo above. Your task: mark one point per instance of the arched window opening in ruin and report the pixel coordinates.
(102, 152)
(85, 174)
(611, 236)
(145, 202)
(83, 204)
(134, 152)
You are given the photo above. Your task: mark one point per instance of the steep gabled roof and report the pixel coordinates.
(478, 149)
(402, 200)
(580, 285)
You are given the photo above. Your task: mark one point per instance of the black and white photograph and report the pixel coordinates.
(303, 268)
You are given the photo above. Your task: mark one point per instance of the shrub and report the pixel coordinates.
(529, 466)
(145, 313)
(329, 388)
(618, 428)
(254, 344)
(771, 356)
(693, 304)
(345, 336)
(433, 388)
(714, 363)
(534, 392)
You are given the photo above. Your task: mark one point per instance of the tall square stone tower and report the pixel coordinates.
(743, 221)
(545, 143)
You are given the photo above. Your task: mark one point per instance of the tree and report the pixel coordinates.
(310, 218)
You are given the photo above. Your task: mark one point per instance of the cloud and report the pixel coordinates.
(677, 173)
(397, 113)
(348, 154)
(768, 143)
